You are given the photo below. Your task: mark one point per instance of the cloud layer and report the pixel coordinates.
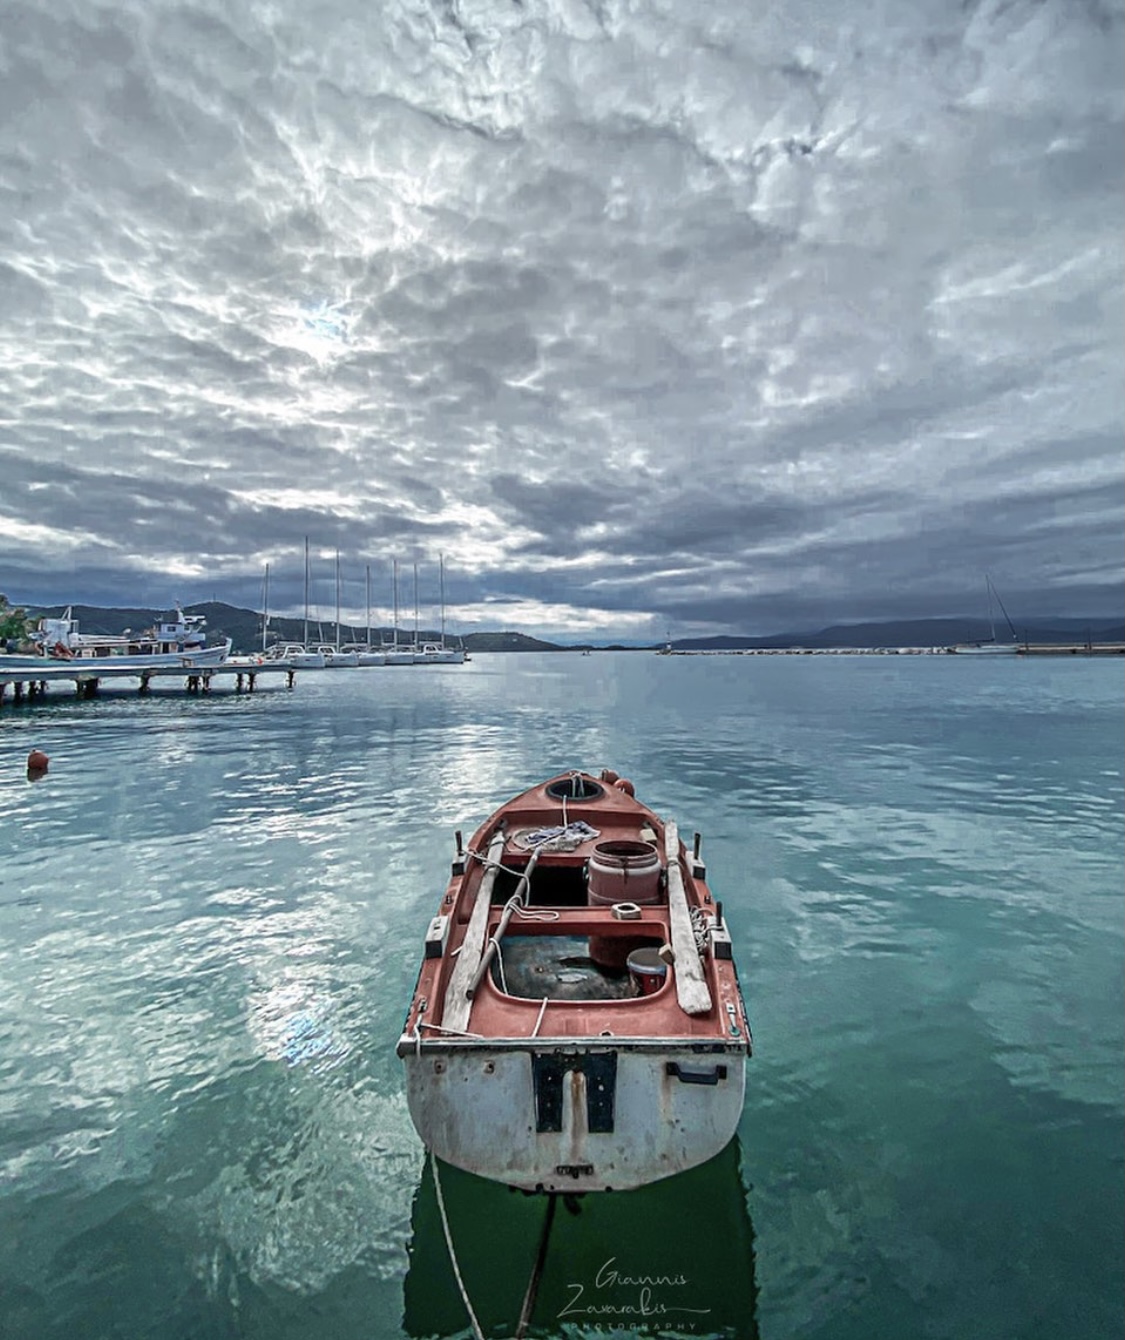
(703, 316)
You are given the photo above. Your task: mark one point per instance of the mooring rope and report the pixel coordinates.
(477, 1332)
(537, 1273)
(532, 1291)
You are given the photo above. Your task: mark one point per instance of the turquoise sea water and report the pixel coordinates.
(210, 916)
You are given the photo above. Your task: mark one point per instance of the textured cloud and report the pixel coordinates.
(702, 315)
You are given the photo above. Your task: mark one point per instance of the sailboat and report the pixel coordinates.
(367, 653)
(299, 654)
(435, 653)
(395, 655)
(333, 653)
(991, 647)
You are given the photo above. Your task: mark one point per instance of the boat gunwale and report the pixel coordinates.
(409, 1045)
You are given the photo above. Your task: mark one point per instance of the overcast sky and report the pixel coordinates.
(646, 314)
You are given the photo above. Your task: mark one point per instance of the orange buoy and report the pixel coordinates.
(608, 775)
(624, 784)
(37, 762)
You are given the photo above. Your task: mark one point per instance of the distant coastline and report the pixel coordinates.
(916, 636)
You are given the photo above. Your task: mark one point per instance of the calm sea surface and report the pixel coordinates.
(210, 918)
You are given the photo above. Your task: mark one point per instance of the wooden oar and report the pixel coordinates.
(455, 1011)
(692, 990)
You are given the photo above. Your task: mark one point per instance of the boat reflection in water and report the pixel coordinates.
(672, 1258)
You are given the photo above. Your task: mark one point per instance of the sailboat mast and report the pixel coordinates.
(368, 571)
(441, 588)
(265, 605)
(394, 630)
(415, 606)
(306, 641)
(1007, 619)
(337, 600)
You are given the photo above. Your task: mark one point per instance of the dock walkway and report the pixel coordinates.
(32, 682)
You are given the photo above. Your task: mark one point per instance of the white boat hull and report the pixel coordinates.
(188, 660)
(988, 649)
(478, 1105)
(336, 658)
(440, 658)
(296, 655)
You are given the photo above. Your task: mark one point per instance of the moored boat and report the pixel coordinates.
(334, 657)
(178, 640)
(991, 647)
(437, 653)
(577, 1024)
(297, 655)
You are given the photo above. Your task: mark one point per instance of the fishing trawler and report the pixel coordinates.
(577, 1023)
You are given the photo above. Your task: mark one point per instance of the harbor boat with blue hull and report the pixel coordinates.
(179, 640)
(577, 1023)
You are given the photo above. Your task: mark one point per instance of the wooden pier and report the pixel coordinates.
(31, 683)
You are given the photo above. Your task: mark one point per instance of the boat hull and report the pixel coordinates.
(669, 1108)
(563, 1037)
(297, 656)
(337, 659)
(187, 660)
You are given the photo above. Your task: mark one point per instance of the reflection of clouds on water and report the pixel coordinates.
(1049, 1035)
(959, 906)
(303, 1199)
(292, 1023)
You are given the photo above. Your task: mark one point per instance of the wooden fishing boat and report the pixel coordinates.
(577, 1024)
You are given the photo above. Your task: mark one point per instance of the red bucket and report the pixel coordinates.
(648, 970)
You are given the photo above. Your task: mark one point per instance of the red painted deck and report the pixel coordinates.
(499, 1016)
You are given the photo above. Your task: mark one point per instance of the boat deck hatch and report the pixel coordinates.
(551, 886)
(558, 967)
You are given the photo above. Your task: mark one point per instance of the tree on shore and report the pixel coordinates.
(13, 622)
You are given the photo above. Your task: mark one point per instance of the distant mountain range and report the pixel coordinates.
(244, 628)
(916, 633)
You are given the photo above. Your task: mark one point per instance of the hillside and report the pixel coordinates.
(915, 633)
(508, 642)
(244, 627)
